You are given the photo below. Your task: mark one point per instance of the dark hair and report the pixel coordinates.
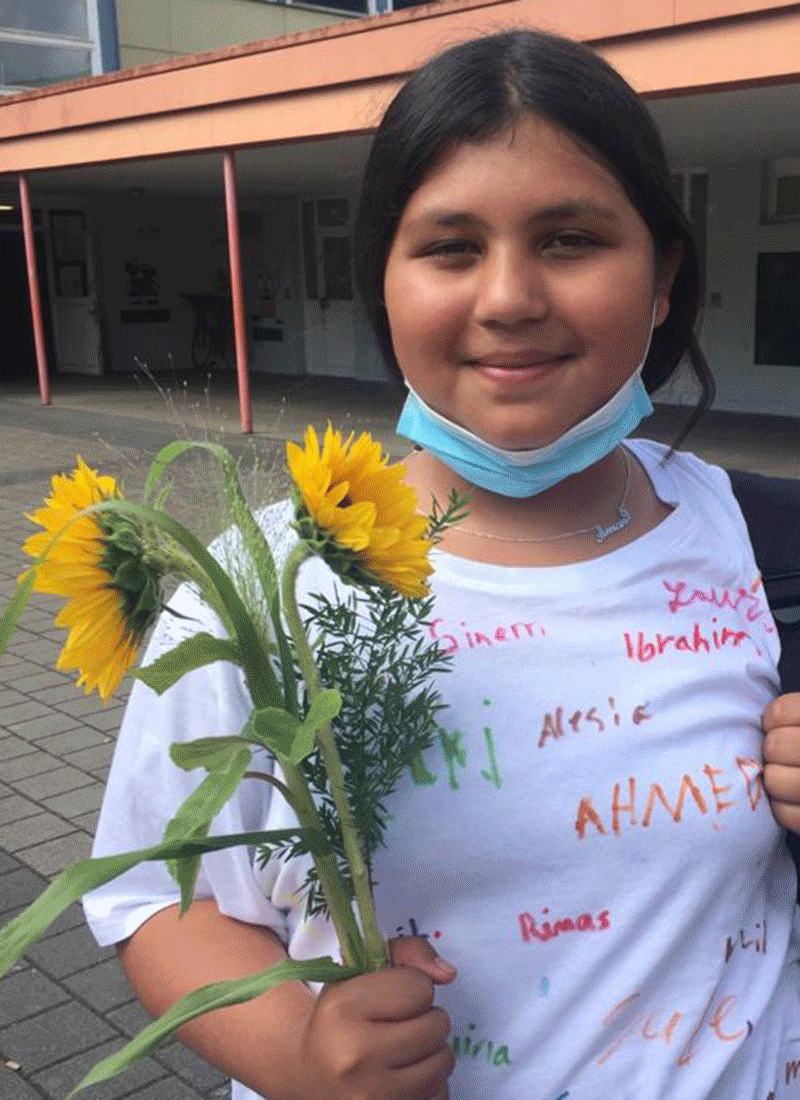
(473, 91)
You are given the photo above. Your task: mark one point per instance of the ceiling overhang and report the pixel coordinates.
(334, 82)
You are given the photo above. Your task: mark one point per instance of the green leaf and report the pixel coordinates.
(276, 729)
(205, 752)
(255, 543)
(288, 737)
(195, 652)
(286, 656)
(223, 596)
(164, 457)
(8, 624)
(323, 709)
(194, 817)
(209, 997)
(27, 927)
(303, 745)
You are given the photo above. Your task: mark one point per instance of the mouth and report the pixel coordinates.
(522, 360)
(514, 369)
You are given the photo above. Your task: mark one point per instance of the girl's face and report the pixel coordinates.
(520, 286)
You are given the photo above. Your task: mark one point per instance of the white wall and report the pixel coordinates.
(735, 238)
(272, 284)
(185, 239)
(339, 342)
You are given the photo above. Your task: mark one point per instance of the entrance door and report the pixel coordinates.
(76, 314)
(18, 362)
(329, 288)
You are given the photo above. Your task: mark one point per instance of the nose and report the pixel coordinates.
(511, 290)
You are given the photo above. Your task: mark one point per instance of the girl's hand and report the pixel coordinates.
(781, 725)
(379, 1036)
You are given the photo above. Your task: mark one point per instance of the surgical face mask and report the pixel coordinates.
(526, 473)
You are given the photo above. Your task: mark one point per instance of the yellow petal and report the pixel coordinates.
(355, 498)
(101, 643)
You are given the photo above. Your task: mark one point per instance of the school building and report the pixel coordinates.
(194, 213)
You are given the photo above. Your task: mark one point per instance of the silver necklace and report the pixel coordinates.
(601, 533)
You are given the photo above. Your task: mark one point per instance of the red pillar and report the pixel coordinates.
(237, 292)
(33, 288)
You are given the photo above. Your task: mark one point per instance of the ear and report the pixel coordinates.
(666, 270)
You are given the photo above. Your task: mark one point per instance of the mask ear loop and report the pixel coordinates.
(650, 337)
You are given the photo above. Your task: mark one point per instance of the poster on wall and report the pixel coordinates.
(70, 254)
(142, 284)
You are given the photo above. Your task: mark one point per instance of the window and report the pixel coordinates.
(52, 17)
(780, 191)
(46, 42)
(359, 7)
(777, 316)
(24, 65)
(354, 7)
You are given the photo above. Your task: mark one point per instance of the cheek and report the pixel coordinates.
(424, 317)
(611, 310)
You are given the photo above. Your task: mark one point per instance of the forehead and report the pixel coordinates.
(531, 161)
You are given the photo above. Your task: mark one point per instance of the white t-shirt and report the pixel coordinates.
(592, 846)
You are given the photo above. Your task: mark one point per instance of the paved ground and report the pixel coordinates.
(67, 1004)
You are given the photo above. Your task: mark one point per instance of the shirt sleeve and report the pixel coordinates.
(145, 788)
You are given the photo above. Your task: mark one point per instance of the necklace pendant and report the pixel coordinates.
(602, 533)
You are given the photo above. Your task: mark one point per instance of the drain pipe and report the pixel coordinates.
(33, 288)
(237, 292)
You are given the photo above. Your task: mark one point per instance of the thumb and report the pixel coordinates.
(417, 953)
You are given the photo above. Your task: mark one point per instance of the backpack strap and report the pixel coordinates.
(771, 508)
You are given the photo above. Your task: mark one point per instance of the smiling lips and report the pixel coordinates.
(518, 367)
(521, 359)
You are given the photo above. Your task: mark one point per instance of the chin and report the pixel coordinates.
(520, 440)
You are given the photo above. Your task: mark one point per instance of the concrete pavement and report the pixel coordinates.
(67, 1004)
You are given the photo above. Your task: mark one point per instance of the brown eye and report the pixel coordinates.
(572, 241)
(451, 248)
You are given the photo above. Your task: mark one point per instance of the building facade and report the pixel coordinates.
(134, 234)
(151, 32)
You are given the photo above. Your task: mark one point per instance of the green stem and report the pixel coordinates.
(299, 798)
(374, 943)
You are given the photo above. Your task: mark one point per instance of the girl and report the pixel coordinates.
(591, 847)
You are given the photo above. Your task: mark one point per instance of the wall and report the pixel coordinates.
(728, 331)
(184, 240)
(270, 235)
(157, 30)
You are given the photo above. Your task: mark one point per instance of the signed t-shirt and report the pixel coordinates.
(588, 841)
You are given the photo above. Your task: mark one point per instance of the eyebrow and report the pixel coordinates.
(563, 210)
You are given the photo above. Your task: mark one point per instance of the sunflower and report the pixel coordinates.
(100, 564)
(357, 512)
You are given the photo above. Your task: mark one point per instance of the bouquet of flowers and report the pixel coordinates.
(311, 671)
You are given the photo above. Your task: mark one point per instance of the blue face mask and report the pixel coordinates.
(526, 473)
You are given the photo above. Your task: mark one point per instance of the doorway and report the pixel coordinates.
(18, 362)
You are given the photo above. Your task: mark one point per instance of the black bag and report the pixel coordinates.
(771, 507)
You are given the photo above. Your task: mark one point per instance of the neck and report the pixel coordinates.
(588, 497)
(523, 527)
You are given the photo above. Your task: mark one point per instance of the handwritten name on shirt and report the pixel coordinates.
(718, 1021)
(453, 637)
(634, 803)
(546, 930)
(747, 601)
